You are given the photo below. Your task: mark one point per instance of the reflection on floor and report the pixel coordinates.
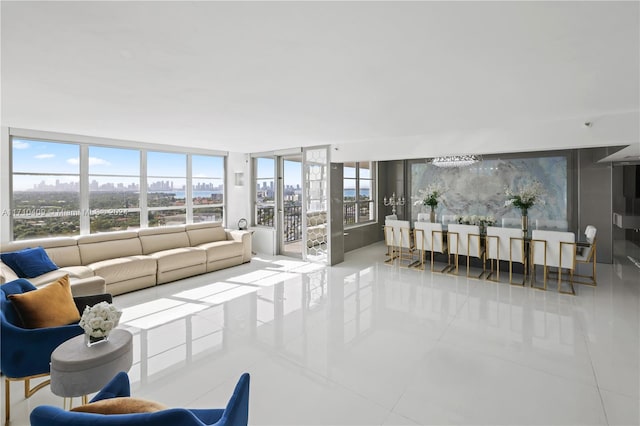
(370, 344)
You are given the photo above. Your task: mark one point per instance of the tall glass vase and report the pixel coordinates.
(432, 215)
(525, 223)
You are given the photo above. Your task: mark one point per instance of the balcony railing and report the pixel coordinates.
(364, 211)
(292, 220)
(293, 217)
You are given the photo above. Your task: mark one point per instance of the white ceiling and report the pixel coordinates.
(258, 76)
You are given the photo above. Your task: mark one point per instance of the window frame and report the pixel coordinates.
(256, 202)
(359, 203)
(83, 175)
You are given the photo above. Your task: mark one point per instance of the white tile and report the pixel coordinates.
(520, 326)
(461, 386)
(397, 420)
(620, 409)
(291, 395)
(364, 343)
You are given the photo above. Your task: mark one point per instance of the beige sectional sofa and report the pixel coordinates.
(120, 262)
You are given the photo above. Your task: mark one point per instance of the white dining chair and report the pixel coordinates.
(506, 244)
(389, 241)
(429, 237)
(423, 217)
(510, 222)
(587, 254)
(465, 240)
(401, 239)
(553, 249)
(407, 250)
(448, 218)
(551, 225)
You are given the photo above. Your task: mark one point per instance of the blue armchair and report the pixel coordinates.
(235, 414)
(26, 353)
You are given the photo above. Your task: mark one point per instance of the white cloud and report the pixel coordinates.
(93, 161)
(20, 145)
(44, 156)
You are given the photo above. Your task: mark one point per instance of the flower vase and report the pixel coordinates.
(525, 223)
(432, 215)
(91, 340)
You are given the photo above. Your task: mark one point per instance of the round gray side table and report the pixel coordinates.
(78, 370)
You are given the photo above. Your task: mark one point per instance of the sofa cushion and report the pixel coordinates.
(29, 262)
(121, 405)
(49, 306)
(63, 251)
(169, 260)
(164, 238)
(206, 232)
(110, 245)
(77, 271)
(219, 250)
(7, 274)
(124, 268)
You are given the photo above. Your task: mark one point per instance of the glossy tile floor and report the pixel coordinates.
(364, 343)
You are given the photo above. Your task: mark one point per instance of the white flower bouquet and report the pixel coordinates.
(525, 197)
(98, 320)
(429, 196)
(476, 220)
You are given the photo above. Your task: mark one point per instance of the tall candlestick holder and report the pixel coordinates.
(394, 201)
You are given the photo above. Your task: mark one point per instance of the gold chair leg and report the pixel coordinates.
(533, 278)
(492, 272)
(28, 391)
(589, 280)
(469, 270)
(444, 270)
(524, 273)
(570, 281)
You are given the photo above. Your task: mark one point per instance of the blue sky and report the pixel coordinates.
(48, 157)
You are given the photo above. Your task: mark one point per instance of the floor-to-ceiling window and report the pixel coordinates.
(264, 172)
(45, 189)
(207, 181)
(166, 188)
(114, 189)
(359, 185)
(69, 188)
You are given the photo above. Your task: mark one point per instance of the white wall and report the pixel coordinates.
(238, 196)
(605, 130)
(5, 199)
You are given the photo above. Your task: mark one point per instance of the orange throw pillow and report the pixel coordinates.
(121, 405)
(49, 306)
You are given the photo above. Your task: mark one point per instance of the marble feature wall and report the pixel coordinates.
(480, 188)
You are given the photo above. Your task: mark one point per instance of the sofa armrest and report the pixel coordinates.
(237, 235)
(243, 237)
(88, 286)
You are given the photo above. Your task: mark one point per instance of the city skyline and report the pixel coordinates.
(94, 185)
(35, 161)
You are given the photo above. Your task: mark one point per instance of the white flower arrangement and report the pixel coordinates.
(429, 196)
(476, 220)
(525, 196)
(98, 320)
